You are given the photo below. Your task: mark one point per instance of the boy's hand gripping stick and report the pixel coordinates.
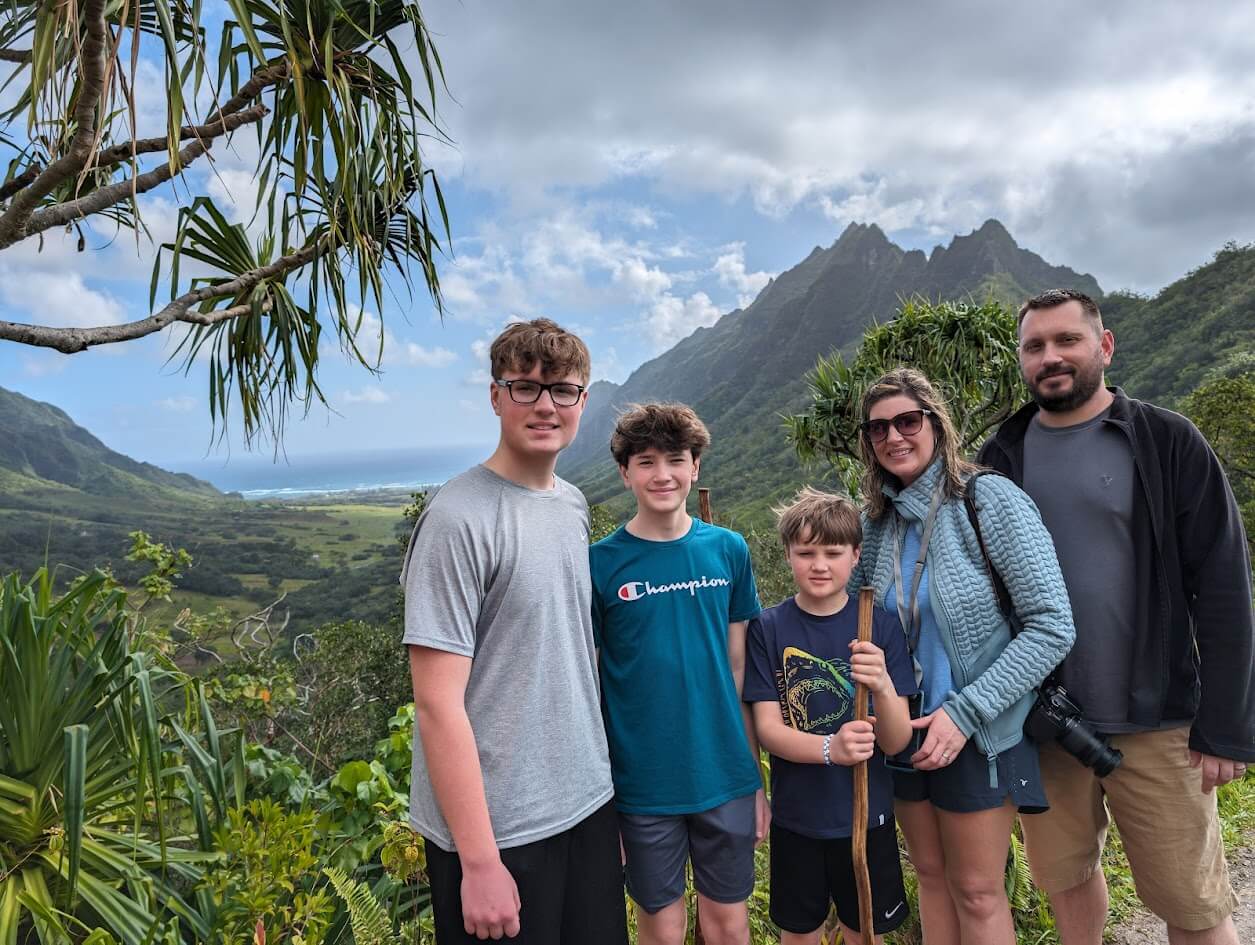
(859, 835)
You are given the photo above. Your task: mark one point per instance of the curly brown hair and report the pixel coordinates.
(672, 428)
(913, 384)
(524, 344)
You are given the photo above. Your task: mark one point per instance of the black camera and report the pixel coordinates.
(1055, 717)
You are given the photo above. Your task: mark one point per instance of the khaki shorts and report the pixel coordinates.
(1170, 829)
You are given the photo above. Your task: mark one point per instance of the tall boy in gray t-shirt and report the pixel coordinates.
(511, 780)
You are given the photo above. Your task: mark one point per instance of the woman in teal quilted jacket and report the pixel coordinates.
(971, 769)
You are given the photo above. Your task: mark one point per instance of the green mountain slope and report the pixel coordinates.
(745, 371)
(40, 443)
(1166, 345)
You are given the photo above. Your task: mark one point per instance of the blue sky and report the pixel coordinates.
(635, 171)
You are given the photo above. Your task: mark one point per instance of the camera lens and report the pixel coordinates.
(1087, 747)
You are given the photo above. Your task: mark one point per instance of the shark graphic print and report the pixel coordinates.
(816, 694)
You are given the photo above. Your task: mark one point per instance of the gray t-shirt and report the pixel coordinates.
(1082, 478)
(499, 572)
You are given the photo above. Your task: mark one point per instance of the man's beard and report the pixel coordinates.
(1085, 382)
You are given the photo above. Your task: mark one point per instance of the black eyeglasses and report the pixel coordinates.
(528, 392)
(908, 423)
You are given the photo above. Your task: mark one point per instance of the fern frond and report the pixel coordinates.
(369, 919)
(1019, 880)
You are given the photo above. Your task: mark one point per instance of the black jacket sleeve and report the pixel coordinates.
(1216, 572)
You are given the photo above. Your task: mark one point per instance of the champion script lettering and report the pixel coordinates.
(635, 590)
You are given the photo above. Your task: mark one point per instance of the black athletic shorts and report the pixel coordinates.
(807, 874)
(570, 886)
(962, 786)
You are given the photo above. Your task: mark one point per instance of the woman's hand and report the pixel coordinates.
(943, 743)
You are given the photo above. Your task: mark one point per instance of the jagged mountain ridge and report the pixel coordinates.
(41, 444)
(747, 369)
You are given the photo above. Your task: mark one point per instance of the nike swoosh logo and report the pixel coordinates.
(889, 914)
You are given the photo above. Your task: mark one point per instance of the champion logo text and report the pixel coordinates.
(635, 590)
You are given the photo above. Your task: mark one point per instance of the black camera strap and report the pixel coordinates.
(1005, 603)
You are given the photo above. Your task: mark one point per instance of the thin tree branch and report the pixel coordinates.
(106, 197)
(74, 340)
(21, 56)
(257, 83)
(19, 182)
(122, 152)
(90, 93)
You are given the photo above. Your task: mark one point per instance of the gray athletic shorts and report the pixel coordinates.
(720, 842)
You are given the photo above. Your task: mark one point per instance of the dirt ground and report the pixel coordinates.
(1145, 929)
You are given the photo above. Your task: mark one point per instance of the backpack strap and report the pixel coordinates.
(1000, 587)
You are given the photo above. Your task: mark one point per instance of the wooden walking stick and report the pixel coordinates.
(859, 836)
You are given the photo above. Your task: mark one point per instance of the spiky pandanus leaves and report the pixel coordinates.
(346, 205)
(967, 350)
(84, 778)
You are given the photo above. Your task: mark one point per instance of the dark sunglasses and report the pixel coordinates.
(908, 423)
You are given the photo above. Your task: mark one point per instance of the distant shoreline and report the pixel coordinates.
(348, 474)
(315, 492)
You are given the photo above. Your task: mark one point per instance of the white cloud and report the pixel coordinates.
(377, 343)
(607, 366)
(416, 354)
(370, 394)
(60, 300)
(643, 282)
(819, 110)
(671, 319)
(182, 404)
(730, 268)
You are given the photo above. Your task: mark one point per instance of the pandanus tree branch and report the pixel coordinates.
(182, 309)
(343, 205)
(91, 90)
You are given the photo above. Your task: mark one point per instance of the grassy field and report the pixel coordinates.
(334, 558)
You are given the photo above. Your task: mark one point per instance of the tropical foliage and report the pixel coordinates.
(340, 114)
(1222, 408)
(100, 826)
(967, 350)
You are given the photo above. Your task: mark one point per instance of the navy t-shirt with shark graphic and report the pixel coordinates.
(661, 611)
(801, 662)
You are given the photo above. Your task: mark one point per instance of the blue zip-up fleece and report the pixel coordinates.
(994, 674)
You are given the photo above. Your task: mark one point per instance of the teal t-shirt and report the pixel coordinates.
(661, 611)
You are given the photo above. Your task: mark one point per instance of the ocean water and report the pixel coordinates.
(262, 477)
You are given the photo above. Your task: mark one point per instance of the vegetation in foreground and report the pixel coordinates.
(266, 797)
(138, 803)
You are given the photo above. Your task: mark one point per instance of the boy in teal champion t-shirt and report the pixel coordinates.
(672, 597)
(805, 660)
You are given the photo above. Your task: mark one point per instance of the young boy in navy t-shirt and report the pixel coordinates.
(672, 597)
(804, 662)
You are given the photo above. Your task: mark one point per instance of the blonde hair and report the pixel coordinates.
(524, 344)
(955, 469)
(819, 518)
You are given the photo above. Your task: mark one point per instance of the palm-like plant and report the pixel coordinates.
(91, 820)
(341, 95)
(967, 350)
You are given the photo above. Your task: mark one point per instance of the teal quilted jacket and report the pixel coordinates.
(994, 674)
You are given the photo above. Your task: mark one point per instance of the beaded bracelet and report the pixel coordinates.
(827, 744)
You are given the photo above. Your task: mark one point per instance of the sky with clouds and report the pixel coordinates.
(637, 170)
